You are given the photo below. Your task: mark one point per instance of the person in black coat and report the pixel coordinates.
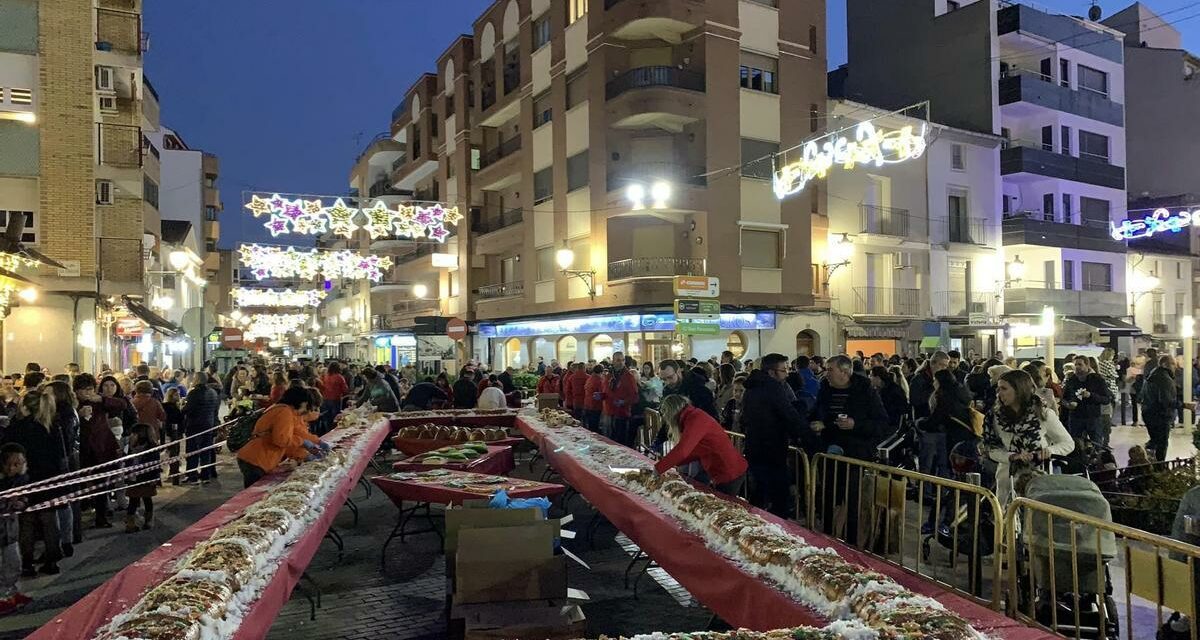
(948, 425)
(422, 395)
(920, 388)
(679, 380)
(199, 418)
(895, 401)
(466, 394)
(771, 423)
(37, 431)
(1084, 393)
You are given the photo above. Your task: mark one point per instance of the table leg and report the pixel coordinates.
(401, 516)
(537, 455)
(353, 509)
(315, 585)
(637, 556)
(312, 604)
(366, 486)
(649, 565)
(593, 527)
(333, 535)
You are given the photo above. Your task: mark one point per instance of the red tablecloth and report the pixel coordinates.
(498, 461)
(400, 491)
(417, 446)
(507, 420)
(738, 597)
(96, 609)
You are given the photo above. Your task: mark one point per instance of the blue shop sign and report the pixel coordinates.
(619, 324)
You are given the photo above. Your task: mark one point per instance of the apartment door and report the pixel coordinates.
(510, 270)
(956, 207)
(956, 292)
(874, 298)
(878, 216)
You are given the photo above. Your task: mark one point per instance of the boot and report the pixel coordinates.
(148, 523)
(131, 525)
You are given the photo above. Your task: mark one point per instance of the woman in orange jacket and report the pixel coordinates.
(280, 433)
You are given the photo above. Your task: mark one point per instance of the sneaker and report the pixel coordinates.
(49, 569)
(68, 550)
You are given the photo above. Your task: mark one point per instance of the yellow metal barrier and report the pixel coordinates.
(1068, 572)
(867, 505)
(797, 461)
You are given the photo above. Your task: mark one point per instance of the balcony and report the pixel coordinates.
(656, 76)
(1023, 157)
(658, 268)
(652, 19)
(893, 222)
(648, 172)
(400, 111)
(500, 151)
(977, 231)
(1056, 28)
(887, 301)
(503, 290)
(961, 304)
(1021, 87)
(489, 220)
(120, 146)
(1030, 227)
(383, 187)
(1029, 297)
(120, 32)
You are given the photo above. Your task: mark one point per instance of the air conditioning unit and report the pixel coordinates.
(105, 78)
(108, 104)
(104, 192)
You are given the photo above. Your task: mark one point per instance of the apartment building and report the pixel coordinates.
(75, 161)
(538, 124)
(913, 248)
(1053, 87)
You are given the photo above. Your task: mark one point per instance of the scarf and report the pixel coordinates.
(1026, 431)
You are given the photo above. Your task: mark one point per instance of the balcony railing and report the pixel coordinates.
(422, 250)
(657, 76)
(1033, 87)
(1020, 156)
(399, 162)
(503, 290)
(119, 31)
(120, 145)
(889, 221)
(502, 150)
(489, 221)
(971, 231)
(648, 172)
(1031, 296)
(887, 301)
(379, 137)
(960, 304)
(383, 187)
(655, 268)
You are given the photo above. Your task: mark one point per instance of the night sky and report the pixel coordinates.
(288, 92)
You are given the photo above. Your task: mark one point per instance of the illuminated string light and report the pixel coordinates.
(268, 325)
(275, 262)
(1161, 221)
(311, 217)
(869, 146)
(243, 297)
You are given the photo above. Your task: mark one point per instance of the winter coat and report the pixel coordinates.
(1159, 397)
(769, 419)
(279, 433)
(200, 410)
(593, 393)
(920, 388)
(620, 394)
(465, 395)
(864, 407)
(693, 388)
(1089, 407)
(97, 443)
(895, 403)
(702, 439)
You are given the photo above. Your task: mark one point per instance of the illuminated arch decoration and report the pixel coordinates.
(870, 146)
(314, 217)
(278, 262)
(243, 297)
(1160, 221)
(269, 325)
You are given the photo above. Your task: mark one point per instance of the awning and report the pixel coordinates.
(155, 321)
(1108, 326)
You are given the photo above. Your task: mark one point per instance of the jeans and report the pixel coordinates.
(934, 460)
(39, 526)
(771, 488)
(250, 473)
(66, 523)
(10, 570)
(171, 434)
(203, 459)
(1126, 402)
(1106, 424)
(147, 502)
(1160, 436)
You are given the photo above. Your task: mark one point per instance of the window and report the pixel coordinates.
(577, 171)
(545, 264)
(814, 199)
(510, 269)
(210, 246)
(1178, 270)
(20, 96)
(758, 72)
(1093, 212)
(761, 249)
(1048, 207)
(1065, 140)
(814, 118)
(542, 113)
(104, 192)
(475, 155)
(1093, 145)
(1005, 203)
(1047, 138)
(105, 78)
(210, 181)
(1180, 299)
(543, 185)
(576, 89)
(1092, 80)
(1066, 210)
(956, 157)
(211, 214)
(951, 5)
(576, 9)
(150, 191)
(757, 157)
(1064, 72)
(541, 31)
(812, 38)
(960, 223)
(1049, 269)
(29, 233)
(1069, 275)
(1097, 276)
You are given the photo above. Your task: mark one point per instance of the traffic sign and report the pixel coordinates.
(685, 308)
(697, 327)
(697, 286)
(456, 329)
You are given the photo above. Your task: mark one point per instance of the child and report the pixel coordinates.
(12, 474)
(144, 484)
(172, 429)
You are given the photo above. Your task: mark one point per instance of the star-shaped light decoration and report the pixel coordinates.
(452, 216)
(292, 209)
(277, 225)
(379, 220)
(311, 207)
(258, 206)
(304, 224)
(341, 218)
(424, 216)
(439, 232)
(277, 202)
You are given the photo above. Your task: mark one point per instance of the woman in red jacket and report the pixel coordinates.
(698, 437)
(593, 398)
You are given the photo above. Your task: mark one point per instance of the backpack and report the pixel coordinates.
(242, 431)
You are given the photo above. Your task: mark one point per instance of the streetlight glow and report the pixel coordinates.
(345, 314)
(1048, 319)
(1187, 327)
(28, 294)
(636, 194)
(420, 290)
(179, 260)
(1016, 269)
(660, 192)
(565, 257)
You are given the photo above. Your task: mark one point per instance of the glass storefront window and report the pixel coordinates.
(568, 349)
(736, 344)
(513, 354)
(602, 347)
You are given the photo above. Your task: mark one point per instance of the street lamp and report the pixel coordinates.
(28, 294)
(1016, 270)
(419, 291)
(1140, 284)
(565, 257)
(1187, 331)
(179, 260)
(660, 194)
(838, 255)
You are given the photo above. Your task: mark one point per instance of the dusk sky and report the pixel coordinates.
(287, 93)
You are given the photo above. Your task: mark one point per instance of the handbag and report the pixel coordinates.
(977, 418)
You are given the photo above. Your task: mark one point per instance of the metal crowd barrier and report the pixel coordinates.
(798, 463)
(1082, 576)
(881, 510)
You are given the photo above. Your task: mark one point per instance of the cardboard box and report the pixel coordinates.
(476, 514)
(511, 563)
(550, 621)
(547, 401)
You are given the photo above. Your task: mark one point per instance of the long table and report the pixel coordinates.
(83, 619)
(741, 599)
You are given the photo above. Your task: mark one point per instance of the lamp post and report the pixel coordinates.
(1187, 330)
(565, 257)
(1048, 327)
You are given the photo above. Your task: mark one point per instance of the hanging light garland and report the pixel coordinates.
(267, 325)
(12, 261)
(312, 217)
(243, 297)
(275, 262)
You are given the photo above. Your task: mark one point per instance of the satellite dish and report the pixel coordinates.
(1095, 12)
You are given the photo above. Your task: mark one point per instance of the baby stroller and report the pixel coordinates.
(1091, 561)
(970, 529)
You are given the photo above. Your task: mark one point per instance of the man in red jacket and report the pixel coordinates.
(576, 389)
(620, 394)
(593, 398)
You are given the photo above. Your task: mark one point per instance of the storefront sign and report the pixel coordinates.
(1161, 221)
(697, 286)
(456, 329)
(697, 327)
(869, 147)
(621, 323)
(697, 310)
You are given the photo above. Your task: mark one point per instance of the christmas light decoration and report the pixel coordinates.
(870, 147)
(312, 217)
(276, 262)
(243, 297)
(1160, 221)
(269, 325)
